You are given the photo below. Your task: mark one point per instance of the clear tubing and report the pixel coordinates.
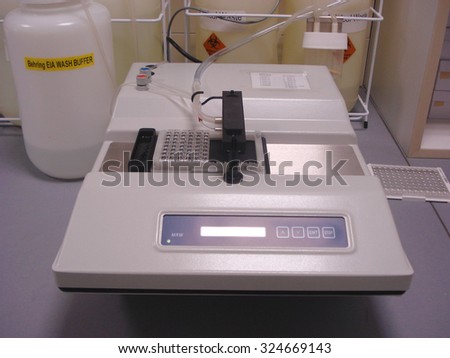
(196, 85)
(132, 12)
(156, 88)
(85, 5)
(171, 89)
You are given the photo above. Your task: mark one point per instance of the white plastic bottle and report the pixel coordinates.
(213, 34)
(354, 58)
(61, 55)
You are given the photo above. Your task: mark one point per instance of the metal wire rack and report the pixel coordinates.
(360, 112)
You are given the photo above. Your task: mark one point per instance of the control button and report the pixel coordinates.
(328, 233)
(313, 232)
(282, 232)
(298, 232)
(142, 82)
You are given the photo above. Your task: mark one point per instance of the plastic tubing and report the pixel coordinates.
(85, 5)
(156, 88)
(197, 84)
(132, 12)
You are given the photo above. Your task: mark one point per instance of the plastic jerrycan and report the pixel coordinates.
(61, 54)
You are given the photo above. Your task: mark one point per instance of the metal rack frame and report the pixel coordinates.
(360, 112)
(162, 17)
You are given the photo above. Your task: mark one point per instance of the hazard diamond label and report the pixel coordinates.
(351, 49)
(213, 44)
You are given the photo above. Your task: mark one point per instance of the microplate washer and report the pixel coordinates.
(281, 202)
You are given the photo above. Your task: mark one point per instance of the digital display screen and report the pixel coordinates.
(232, 231)
(254, 231)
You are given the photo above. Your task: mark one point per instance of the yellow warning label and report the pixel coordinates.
(59, 63)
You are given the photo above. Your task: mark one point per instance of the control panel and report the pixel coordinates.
(254, 231)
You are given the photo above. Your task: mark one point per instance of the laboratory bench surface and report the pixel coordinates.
(34, 212)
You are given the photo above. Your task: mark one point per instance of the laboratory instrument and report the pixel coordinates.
(263, 190)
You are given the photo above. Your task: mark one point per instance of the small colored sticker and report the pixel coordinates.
(213, 44)
(351, 49)
(59, 63)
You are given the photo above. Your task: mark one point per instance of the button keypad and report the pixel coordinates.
(306, 232)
